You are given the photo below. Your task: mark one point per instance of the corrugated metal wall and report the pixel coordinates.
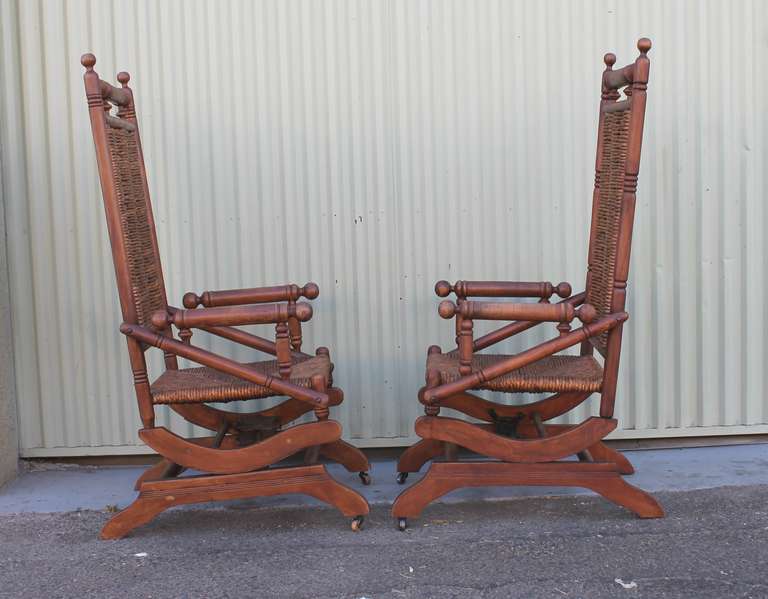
(375, 147)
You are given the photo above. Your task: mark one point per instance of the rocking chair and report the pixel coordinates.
(526, 449)
(236, 461)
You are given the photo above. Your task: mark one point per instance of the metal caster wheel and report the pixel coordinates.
(402, 523)
(357, 523)
(365, 477)
(401, 476)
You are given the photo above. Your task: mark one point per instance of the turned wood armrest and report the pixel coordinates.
(539, 312)
(513, 328)
(543, 290)
(434, 394)
(222, 364)
(255, 295)
(232, 315)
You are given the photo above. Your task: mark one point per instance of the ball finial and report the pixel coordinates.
(586, 313)
(563, 290)
(442, 288)
(191, 300)
(643, 44)
(446, 309)
(123, 78)
(88, 60)
(609, 60)
(311, 291)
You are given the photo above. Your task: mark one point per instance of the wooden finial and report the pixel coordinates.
(586, 313)
(310, 291)
(563, 289)
(88, 60)
(447, 309)
(191, 300)
(161, 320)
(302, 311)
(443, 288)
(609, 60)
(123, 78)
(643, 44)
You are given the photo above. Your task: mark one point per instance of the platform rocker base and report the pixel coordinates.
(159, 495)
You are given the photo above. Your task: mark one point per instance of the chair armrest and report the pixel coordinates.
(473, 379)
(539, 312)
(222, 364)
(255, 295)
(543, 290)
(231, 316)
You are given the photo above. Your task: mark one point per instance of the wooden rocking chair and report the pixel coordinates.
(235, 460)
(530, 452)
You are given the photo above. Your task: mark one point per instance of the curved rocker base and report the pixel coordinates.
(602, 478)
(480, 440)
(424, 450)
(200, 456)
(157, 496)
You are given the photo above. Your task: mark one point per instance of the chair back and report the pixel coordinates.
(126, 196)
(620, 136)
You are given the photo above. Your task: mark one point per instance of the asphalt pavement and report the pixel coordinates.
(712, 544)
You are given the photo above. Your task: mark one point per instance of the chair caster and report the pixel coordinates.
(357, 523)
(365, 478)
(402, 523)
(401, 476)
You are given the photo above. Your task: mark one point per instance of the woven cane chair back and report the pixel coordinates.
(618, 156)
(126, 198)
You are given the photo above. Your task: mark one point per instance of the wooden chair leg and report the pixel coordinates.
(348, 456)
(157, 496)
(620, 492)
(602, 453)
(163, 469)
(418, 454)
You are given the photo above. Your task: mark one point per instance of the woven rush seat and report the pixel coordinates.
(202, 384)
(553, 374)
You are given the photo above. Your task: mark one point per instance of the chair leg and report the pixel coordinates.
(620, 492)
(418, 454)
(157, 496)
(602, 478)
(163, 469)
(348, 456)
(602, 453)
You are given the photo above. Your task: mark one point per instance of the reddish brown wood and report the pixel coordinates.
(256, 295)
(602, 478)
(484, 442)
(514, 328)
(231, 315)
(254, 457)
(243, 442)
(601, 309)
(157, 496)
(463, 289)
(542, 312)
(418, 454)
(548, 408)
(345, 454)
(538, 352)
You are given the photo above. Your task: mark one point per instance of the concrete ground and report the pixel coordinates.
(712, 544)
